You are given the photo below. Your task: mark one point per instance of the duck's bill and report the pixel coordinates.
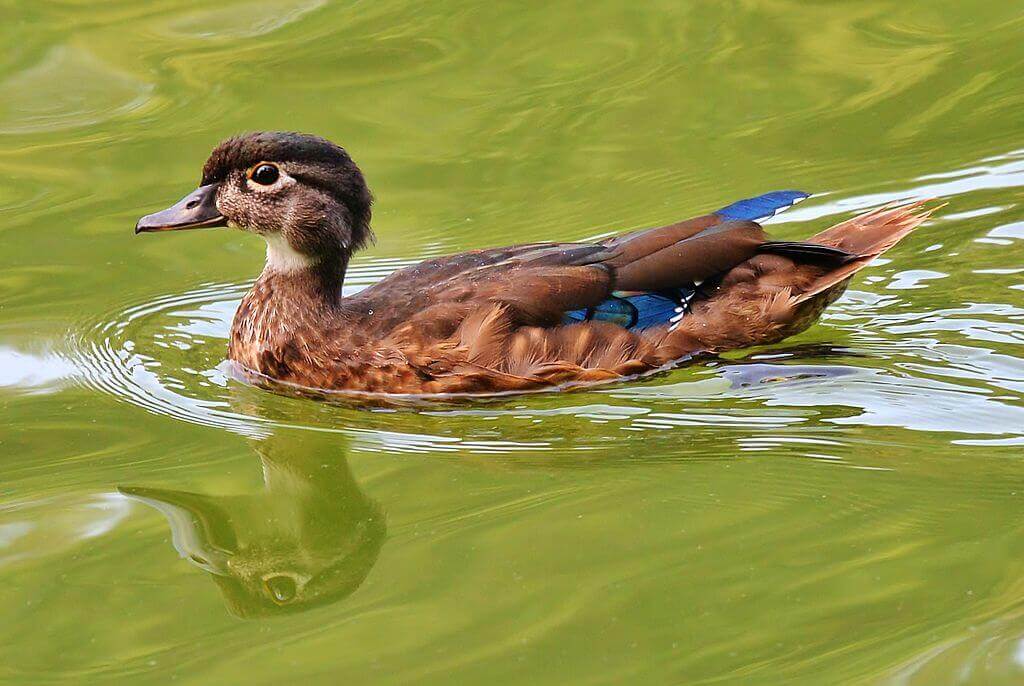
(197, 210)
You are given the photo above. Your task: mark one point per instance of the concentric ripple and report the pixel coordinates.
(164, 355)
(883, 366)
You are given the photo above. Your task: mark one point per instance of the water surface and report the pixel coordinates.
(842, 508)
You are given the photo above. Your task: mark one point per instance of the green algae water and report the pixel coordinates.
(843, 508)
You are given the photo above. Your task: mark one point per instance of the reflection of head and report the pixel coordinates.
(309, 539)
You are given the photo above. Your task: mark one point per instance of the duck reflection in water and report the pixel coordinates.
(308, 539)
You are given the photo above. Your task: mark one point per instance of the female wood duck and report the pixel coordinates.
(503, 319)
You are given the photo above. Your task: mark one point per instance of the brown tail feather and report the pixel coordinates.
(868, 235)
(773, 296)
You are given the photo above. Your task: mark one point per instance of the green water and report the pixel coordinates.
(842, 509)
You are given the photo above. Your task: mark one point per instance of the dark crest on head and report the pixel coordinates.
(329, 169)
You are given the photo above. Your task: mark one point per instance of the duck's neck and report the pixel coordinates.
(314, 282)
(294, 301)
(313, 290)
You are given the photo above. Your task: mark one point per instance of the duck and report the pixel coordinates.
(496, 320)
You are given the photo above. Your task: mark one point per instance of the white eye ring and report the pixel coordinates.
(283, 179)
(264, 174)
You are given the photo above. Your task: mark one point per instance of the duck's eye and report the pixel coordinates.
(265, 174)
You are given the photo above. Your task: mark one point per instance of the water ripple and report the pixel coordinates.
(909, 369)
(68, 88)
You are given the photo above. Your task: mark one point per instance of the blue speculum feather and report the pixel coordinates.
(635, 311)
(761, 207)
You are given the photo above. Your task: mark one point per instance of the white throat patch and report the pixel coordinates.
(283, 258)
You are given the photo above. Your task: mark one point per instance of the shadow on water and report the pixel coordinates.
(308, 539)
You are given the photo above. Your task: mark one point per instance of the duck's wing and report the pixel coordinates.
(697, 249)
(538, 282)
(545, 285)
(434, 271)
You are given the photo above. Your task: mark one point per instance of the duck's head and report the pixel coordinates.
(302, 193)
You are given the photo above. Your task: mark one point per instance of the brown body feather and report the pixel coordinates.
(490, 320)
